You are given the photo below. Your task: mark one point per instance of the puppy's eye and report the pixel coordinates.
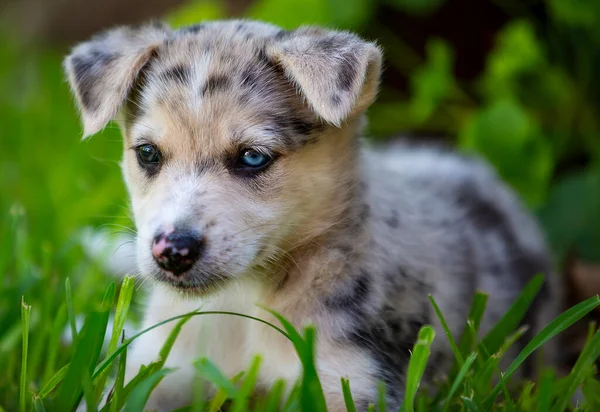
(252, 159)
(148, 154)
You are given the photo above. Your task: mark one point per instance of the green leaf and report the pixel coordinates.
(278, 12)
(419, 7)
(505, 134)
(417, 364)
(513, 317)
(574, 224)
(576, 13)
(240, 403)
(196, 11)
(211, 372)
(348, 400)
(25, 315)
(459, 378)
(559, 324)
(588, 356)
(70, 311)
(87, 350)
(457, 354)
(433, 82)
(139, 396)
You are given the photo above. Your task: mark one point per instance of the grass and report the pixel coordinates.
(54, 186)
(472, 387)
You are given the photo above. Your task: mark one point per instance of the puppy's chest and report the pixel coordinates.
(232, 341)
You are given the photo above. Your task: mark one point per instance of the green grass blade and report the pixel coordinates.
(381, 397)
(70, 310)
(545, 394)
(123, 303)
(292, 403)
(54, 342)
(140, 394)
(468, 339)
(121, 312)
(54, 381)
(311, 394)
(240, 403)
(348, 400)
(87, 351)
(559, 324)
(274, 397)
(417, 364)
(211, 372)
(455, 350)
(588, 356)
(459, 378)
(38, 405)
(88, 393)
(513, 318)
(109, 359)
(117, 397)
(217, 402)
(25, 315)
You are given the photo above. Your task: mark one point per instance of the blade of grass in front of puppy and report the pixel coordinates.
(240, 402)
(565, 320)
(293, 401)
(459, 379)
(88, 393)
(217, 402)
(545, 393)
(348, 400)
(38, 405)
(468, 340)
(86, 353)
(25, 315)
(117, 395)
(457, 355)
(140, 394)
(512, 319)
(588, 356)
(211, 372)
(87, 350)
(311, 395)
(123, 303)
(156, 366)
(70, 310)
(272, 401)
(381, 397)
(416, 365)
(111, 358)
(54, 342)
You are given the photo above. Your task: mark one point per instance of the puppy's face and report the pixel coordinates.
(232, 154)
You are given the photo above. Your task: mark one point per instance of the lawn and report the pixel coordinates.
(57, 298)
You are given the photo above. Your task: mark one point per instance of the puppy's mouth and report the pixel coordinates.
(197, 284)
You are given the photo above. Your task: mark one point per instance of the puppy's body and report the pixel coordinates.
(328, 231)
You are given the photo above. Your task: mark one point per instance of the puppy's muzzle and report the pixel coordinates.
(177, 251)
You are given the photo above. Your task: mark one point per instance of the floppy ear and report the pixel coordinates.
(337, 72)
(102, 71)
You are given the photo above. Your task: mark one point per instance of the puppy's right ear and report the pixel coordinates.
(102, 71)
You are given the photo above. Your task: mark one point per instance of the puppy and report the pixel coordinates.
(250, 184)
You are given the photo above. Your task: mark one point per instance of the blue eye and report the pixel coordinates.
(254, 159)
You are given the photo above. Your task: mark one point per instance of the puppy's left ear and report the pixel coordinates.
(337, 72)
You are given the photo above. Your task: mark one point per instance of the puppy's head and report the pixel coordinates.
(239, 137)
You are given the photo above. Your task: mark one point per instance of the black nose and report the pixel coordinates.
(177, 251)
